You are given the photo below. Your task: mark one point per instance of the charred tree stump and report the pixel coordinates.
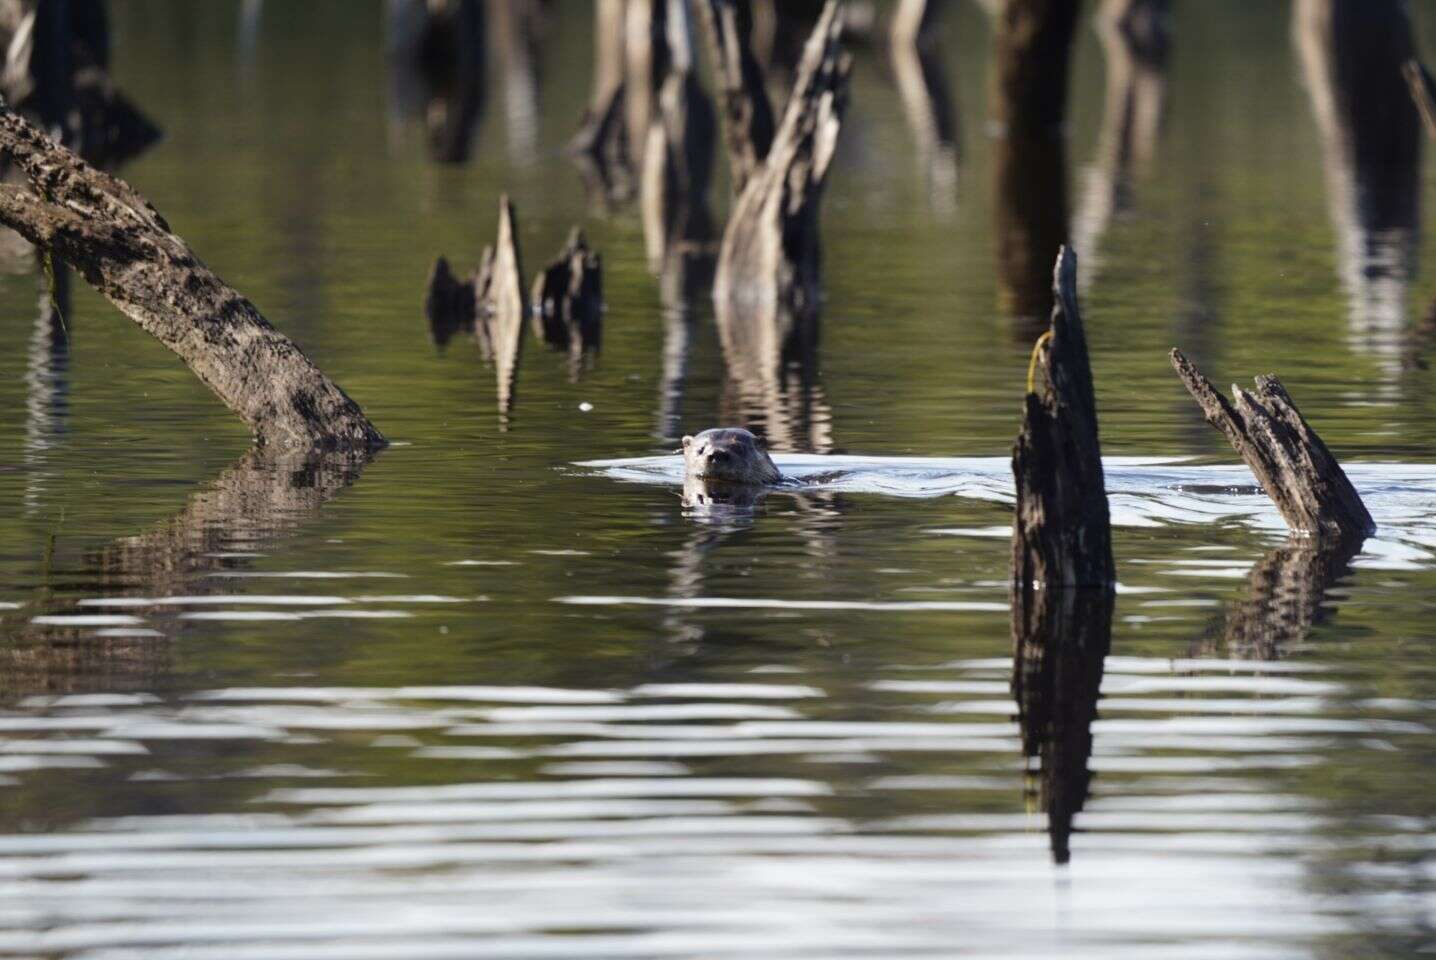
(747, 113)
(1287, 597)
(1061, 535)
(767, 281)
(122, 246)
(1060, 644)
(449, 304)
(1289, 460)
(568, 300)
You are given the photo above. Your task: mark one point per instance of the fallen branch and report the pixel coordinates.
(122, 246)
(1061, 534)
(1291, 463)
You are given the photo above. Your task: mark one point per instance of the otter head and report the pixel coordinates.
(730, 455)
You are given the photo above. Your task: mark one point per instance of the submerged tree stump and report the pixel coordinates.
(502, 305)
(1289, 460)
(449, 303)
(568, 299)
(767, 279)
(747, 113)
(1061, 534)
(122, 246)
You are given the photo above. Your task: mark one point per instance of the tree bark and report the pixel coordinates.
(1061, 535)
(747, 113)
(1289, 460)
(122, 246)
(767, 281)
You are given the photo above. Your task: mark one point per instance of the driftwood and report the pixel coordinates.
(747, 113)
(1028, 90)
(568, 300)
(1060, 643)
(767, 283)
(124, 248)
(1289, 460)
(1061, 534)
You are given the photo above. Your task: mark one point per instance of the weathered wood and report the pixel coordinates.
(1061, 533)
(502, 304)
(122, 246)
(747, 113)
(568, 300)
(449, 303)
(767, 283)
(1060, 643)
(1290, 461)
(923, 84)
(1423, 93)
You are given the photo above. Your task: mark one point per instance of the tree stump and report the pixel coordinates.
(1289, 460)
(747, 113)
(1061, 534)
(502, 305)
(767, 281)
(122, 246)
(449, 303)
(568, 300)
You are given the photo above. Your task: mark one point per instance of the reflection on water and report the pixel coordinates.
(487, 703)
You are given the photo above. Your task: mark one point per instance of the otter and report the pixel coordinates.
(729, 455)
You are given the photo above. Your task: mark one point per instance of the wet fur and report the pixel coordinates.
(729, 455)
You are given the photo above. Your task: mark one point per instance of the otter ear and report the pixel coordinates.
(687, 442)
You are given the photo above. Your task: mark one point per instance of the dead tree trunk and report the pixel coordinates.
(923, 84)
(568, 301)
(1061, 534)
(1289, 460)
(502, 305)
(1423, 93)
(678, 152)
(747, 114)
(767, 281)
(124, 248)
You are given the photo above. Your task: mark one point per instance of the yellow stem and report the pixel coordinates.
(1032, 364)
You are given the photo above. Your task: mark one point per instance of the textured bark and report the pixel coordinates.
(767, 285)
(747, 113)
(568, 300)
(124, 248)
(1033, 44)
(1061, 534)
(1289, 460)
(1060, 643)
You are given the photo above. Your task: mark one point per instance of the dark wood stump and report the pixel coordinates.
(568, 300)
(1061, 535)
(1287, 456)
(747, 112)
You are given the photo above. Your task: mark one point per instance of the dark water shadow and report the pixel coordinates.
(264, 498)
(437, 64)
(1061, 638)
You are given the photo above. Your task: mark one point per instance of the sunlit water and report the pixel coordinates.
(501, 693)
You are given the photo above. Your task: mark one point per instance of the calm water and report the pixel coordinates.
(474, 700)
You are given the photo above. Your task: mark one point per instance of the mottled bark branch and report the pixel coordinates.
(1290, 461)
(125, 249)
